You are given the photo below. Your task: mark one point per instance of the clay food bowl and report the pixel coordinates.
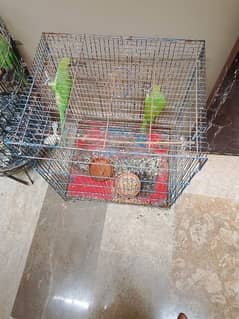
(100, 169)
(128, 185)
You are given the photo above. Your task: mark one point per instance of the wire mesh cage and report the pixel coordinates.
(115, 118)
(13, 70)
(13, 80)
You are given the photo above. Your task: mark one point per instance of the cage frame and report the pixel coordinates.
(193, 161)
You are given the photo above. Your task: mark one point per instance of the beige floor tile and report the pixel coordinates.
(218, 178)
(136, 229)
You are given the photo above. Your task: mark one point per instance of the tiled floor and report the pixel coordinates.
(97, 261)
(133, 273)
(206, 255)
(63, 258)
(91, 260)
(19, 211)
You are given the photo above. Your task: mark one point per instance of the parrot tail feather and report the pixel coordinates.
(63, 129)
(144, 126)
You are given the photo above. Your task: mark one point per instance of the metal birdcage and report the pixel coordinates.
(13, 80)
(13, 71)
(102, 153)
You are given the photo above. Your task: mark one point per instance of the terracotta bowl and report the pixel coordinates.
(100, 168)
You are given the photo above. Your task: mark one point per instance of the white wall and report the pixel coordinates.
(216, 21)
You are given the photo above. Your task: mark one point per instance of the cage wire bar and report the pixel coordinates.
(103, 153)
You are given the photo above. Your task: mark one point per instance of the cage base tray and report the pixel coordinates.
(151, 167)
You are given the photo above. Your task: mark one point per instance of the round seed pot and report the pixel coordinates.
(100, 169)
(128, 185)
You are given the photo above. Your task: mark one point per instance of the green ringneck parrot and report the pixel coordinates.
(154, 104)
(61, 86)
(9, 60)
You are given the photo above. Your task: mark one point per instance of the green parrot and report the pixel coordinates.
(154, 104)
(61, 86)
(9, 60)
